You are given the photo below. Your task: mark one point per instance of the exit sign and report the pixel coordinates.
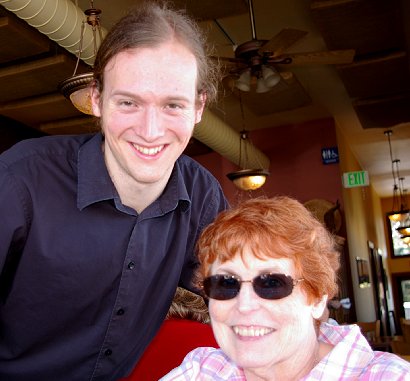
(355, 179)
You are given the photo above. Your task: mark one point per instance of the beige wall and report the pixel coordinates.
(364, 225)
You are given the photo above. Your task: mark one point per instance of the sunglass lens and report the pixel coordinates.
(273, 286)
(221, 287)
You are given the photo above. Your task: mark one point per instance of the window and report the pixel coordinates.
(397, 246)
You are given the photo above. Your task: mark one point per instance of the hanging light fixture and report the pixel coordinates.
(259, 70)
(266, 78)
(397, 207)
(400, 215)
(76, 88)
(404, 227)
(247, 179)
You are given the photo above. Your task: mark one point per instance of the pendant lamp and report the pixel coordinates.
(77, 87)
(247, 179)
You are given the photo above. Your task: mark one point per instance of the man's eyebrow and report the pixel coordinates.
(168, 98)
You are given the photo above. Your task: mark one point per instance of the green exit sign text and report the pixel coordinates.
(355, 179)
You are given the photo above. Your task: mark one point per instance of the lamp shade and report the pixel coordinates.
(405, 230)
(270, 76)
(395, 216)
(77, 89)
(248, 179)
(261, 86)
(244, 81)
(404, 227)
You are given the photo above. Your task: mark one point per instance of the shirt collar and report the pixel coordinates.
(175, 193)
(95, 184)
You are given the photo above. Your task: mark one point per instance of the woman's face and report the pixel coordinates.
(258, 334)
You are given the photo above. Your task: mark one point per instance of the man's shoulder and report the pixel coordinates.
(196, 178)
(191, 169)
(45, 146)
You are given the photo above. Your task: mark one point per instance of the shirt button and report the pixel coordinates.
(108, 352)
(131, 265)
(120, 311)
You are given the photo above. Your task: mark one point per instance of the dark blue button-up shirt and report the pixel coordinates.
(85, 281)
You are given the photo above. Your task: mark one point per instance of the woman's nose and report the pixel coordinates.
(247, 299)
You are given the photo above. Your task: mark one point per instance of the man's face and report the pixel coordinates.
(148, 111)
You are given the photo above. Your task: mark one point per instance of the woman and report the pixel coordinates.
(268, 268)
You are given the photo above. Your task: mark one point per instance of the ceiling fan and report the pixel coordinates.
(255, 60)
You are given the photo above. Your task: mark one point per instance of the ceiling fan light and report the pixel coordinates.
(244, 81)
(270, 75)
(261, 86)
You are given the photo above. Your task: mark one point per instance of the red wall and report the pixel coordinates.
(295, 163)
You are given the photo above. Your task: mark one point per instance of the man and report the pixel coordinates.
(97, 231)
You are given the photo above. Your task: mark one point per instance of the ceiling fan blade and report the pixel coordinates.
(229, 59)
(282, 41)
(230, 66)
(328, 57)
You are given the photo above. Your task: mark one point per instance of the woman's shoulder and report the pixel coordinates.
(389, 367)
(207, 362)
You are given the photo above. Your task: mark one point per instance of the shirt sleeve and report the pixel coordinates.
(15, 209)
(387, 366)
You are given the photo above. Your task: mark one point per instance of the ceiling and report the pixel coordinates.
(365, 97)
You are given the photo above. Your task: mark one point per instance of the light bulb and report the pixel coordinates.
(244, 81)
(270, 76)
(261, 86)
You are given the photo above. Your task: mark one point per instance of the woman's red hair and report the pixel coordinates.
(279, 227)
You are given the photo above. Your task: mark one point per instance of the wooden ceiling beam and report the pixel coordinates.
(27, 41)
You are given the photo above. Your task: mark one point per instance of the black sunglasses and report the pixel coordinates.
(267, 286)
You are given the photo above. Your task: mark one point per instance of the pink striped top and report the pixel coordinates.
(350, 359)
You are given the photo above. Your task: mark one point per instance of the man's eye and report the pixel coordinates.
(125, 103)
(174, 106)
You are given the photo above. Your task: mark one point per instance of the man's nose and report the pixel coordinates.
(151, 126)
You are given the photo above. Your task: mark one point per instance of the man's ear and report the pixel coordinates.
(200, 106)
(319, 307)
(95, 101)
